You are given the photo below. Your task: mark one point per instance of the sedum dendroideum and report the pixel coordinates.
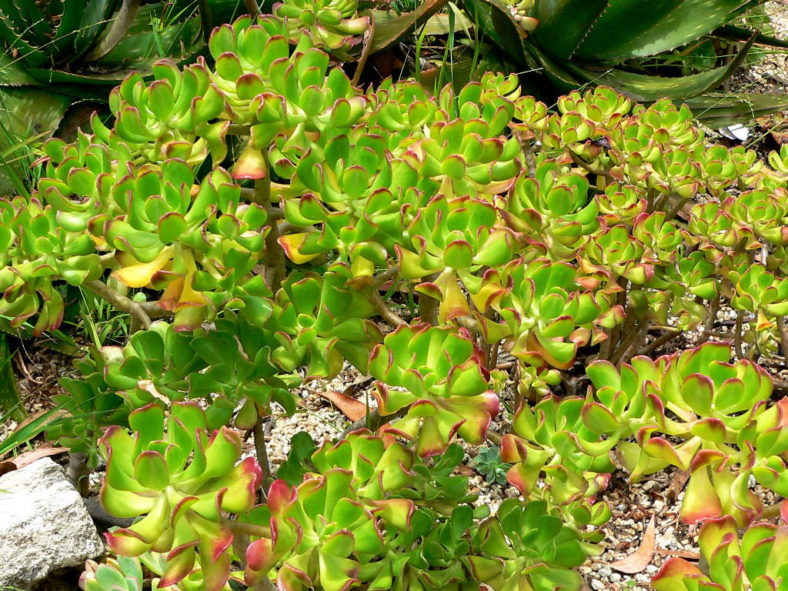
(262, 219)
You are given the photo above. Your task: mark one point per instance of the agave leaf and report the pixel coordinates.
(139, 48)
(119, 24)
(497, 23)
(649, 29)
(719, 110)
(741, 34)
(390, 28)
(564, 23)
(13, 73)
(558, 72)
(645, 87)
(95, 16)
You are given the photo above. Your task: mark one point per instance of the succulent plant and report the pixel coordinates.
(553, 207)
(526, 548)
(312, 313)
(591, 232)
(334, 24)
(179, 478)
(435, 374)
(489, 464)
(712, 407)
(553, 443)
(445, 245)
(548, 312)
(758, 560)
(123, 574)
(346, 523)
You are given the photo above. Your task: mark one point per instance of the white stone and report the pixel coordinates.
(44, 525)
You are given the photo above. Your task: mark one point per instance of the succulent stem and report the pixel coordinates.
(737, 334)
(140, 312)
(386, 313)
(274, 257)
(262, 453)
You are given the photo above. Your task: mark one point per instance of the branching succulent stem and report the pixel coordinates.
(659, 341)
(140, 312)
(676, 207)
(587, 167)
(711, 318)
(374, 421)
(262, 453)
(386, 313)
(737, 334)
(274, 257)
(386, 275)
(630, 346)
(428, 307)
(492, 361)
(783, 335)
(247, 529)
(470, 324)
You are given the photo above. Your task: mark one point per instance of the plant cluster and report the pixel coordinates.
(249, 216)
(682, 52)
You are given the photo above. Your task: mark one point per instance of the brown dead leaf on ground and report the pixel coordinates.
(31, 456)
(6, 467)
(640, 559)
(677, 484)
(350, 407)
(688, 554)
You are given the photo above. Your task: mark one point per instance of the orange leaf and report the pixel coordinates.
(353, 409)
(640, 559)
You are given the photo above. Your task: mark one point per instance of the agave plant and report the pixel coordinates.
(576, 43)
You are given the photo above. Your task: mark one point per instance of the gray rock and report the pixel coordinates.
(44, 525)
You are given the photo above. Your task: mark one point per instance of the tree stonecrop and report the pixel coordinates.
(255, 214)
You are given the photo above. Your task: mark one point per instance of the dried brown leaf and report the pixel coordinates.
(353, 409)
(640, 559)
(31, 456)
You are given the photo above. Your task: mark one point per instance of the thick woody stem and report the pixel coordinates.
(141, 312)
(386, 313)
(274, 257)
(737, 336)
(262, 453)
(659, 341)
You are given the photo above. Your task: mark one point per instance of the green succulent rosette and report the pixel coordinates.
(546, 311)
(37, 251)
(696, 411)
(556, 454)
(436, 374)
(325, 532)
(178, 478)
(321, 321)
(553, 208)
(526, 548)
(333, 24)
(171, 117)
(756, 560)
(451, 240)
